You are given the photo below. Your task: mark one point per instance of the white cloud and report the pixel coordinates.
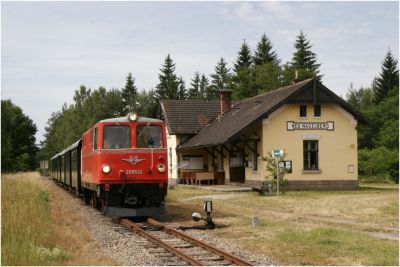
(278, 9)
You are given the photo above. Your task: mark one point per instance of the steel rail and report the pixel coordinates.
(132, 226)
(200, 243)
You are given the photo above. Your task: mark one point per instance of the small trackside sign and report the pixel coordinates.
(276, 153)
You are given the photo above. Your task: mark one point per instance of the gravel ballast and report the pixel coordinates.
(128, 248)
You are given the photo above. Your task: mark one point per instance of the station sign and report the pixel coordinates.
(328, 125)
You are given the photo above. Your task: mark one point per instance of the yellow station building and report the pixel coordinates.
(220, 142)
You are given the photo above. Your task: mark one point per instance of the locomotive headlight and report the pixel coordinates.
(161, 167)
(106, 168)
(132, 116)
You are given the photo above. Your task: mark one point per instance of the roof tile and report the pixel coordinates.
(189, 116)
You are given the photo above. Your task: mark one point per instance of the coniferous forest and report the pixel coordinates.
(253, 72)
(378, 141)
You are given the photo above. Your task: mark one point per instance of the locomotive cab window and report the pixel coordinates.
(148, 136)
(116, 137)
(95, 139)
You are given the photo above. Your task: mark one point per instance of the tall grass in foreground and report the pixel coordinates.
(26, 233)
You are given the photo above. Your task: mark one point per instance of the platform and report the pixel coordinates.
(219, 188)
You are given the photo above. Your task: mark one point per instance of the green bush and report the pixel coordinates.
(379, 161)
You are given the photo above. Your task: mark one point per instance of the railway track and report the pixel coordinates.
(179, 248)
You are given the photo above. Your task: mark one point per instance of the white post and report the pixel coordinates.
(170, 169)
(277, 176)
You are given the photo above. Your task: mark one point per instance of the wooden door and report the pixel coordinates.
(237, 174)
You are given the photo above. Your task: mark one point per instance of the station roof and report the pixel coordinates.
(227, 128)
(188, 116)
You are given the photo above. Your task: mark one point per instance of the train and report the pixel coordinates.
(119, 166)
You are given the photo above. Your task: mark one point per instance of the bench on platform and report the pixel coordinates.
(196, 178)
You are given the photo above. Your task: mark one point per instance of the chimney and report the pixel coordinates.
(225, 101)
(296, 79)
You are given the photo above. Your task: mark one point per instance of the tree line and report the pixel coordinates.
(252, 74)
(18, 148)
(378, 141)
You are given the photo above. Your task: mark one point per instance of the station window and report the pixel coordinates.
(310, 151)
(317, 111)
(303, 110)
(191, 162)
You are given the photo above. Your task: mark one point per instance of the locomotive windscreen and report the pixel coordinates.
(116, 137)
(148, 136)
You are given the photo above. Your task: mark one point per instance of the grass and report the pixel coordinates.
(27, 238)
(324, 245)
(41, 225)
(376, 179)
(305, 227)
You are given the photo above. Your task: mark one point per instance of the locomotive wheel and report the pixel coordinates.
(103, 206)
(95, 201)
(86, 196)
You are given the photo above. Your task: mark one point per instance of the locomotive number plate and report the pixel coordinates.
(134, 172)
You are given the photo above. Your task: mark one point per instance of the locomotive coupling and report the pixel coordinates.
(132, 200)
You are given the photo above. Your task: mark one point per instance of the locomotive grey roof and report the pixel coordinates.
(74, 145)
(227, 128)
(188, 116)
(55, 156)
(67, 149)
(125, 119)
(64, 151)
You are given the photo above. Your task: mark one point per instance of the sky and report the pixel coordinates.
(49, 49)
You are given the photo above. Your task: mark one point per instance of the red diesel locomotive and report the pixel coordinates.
(119, 165)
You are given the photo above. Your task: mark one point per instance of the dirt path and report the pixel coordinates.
(73, 235)
(383, 232)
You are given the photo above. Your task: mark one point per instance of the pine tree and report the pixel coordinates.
(169, 82)
(204, 87)
(148, 104)
(264, 53)
(129, 94)
(181, 89)
(265, 78)
(388, 78)
(304, 60)
(242, 84)
(194, 90)
(220, 79)
(242, 78)
(244, 57)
